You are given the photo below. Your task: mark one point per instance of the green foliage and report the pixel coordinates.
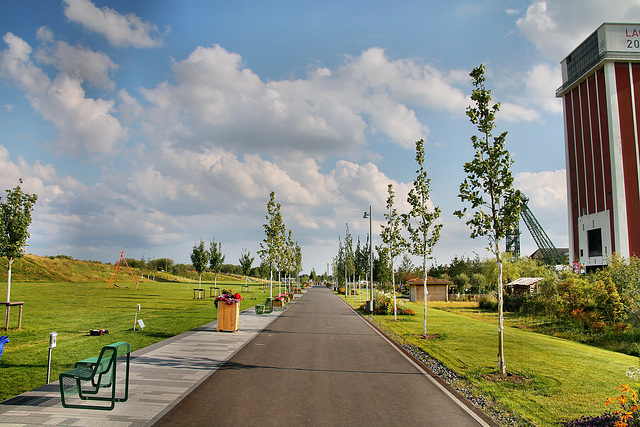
(216, 258)
(460, 282)
(362, 259)
(489, 303)
(272, 247)
(420, 222)
(15, 218)
(477, 283)
(591, 304)
(199, 257)
(245, 261)
(382, 273)
(488, 186)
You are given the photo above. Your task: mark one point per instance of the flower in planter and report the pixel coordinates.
(228, 298)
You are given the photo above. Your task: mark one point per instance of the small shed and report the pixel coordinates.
(523, 285)
(437, 289)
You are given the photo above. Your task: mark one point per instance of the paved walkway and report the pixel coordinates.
(317, 363)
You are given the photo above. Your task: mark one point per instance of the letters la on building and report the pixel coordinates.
(601, 96)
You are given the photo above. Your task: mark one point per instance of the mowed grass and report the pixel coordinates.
(552, 378)
(73, 309)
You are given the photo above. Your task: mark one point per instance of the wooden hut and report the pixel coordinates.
(437, 289)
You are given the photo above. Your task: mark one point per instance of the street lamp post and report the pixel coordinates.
(370, 302)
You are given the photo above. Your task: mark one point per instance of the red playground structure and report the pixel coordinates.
(117, 271)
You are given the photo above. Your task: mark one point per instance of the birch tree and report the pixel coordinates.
(199, 259)
(216, 259)
(15, 218)
(488, 187)
(271, 248)
(392, 237)
(420, 222)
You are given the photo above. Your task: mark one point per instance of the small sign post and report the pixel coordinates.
(135, 319)
(53, 338)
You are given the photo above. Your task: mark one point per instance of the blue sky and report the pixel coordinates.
(145, 126)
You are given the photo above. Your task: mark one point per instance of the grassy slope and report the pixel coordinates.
(553, 378)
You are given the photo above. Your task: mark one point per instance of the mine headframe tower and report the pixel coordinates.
(550, 253)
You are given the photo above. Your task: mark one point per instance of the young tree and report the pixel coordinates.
(420, 222)
(392, 237)
(271, 248)
(488, 186)
(381, 266)
(349, 259)
(361, 264)
(297, 259)
(15, 218)
(199, 259)
(246, 260)
(216, 259)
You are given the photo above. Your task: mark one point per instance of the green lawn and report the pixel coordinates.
(552, 378)
(73, 309)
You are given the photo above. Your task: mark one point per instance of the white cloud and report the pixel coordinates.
(217, 102)
(15, 64)
(84, 125)
(541, 81)
(546, 190)
(120, 30)
(79, 63)
(516, 113)
(556, 27)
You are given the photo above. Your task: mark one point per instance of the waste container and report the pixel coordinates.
(3, 340)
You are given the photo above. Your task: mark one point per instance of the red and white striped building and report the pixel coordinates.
(601, 97)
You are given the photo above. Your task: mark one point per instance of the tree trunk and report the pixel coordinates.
(426, 295)
(502, 366)
(393, 283)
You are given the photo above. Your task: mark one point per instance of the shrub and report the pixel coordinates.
(488, 303)
(604, 420)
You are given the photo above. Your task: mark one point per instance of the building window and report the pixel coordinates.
(594, 239)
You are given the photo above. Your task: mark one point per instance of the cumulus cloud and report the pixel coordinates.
(541, 81)
(85, 125)
(546, 190)
(218, 102)
(556, 27)
(78, 62)
(120, 30)
(516, 113)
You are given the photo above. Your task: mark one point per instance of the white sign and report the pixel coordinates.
(53, 338)
(141, 323)
(619, 38)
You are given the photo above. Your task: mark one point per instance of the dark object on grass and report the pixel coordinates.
(98, 332)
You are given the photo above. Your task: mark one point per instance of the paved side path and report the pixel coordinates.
(160, 375)
(319, 364)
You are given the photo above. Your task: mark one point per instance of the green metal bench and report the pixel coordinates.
(267, 307)
(96, 373)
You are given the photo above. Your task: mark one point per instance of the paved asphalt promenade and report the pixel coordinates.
(317, 363)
